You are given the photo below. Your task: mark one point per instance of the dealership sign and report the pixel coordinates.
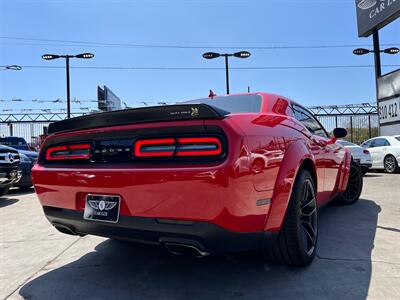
(389, 111)
(389, 103)
(375, 14)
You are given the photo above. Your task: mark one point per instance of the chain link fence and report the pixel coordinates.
(360, 127)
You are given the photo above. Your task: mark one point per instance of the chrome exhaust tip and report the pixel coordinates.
(64, 229)
(183, 249)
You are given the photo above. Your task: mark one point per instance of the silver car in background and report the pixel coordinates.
(360, 155)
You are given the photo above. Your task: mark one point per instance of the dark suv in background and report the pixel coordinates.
(27, 159)
(10, 173)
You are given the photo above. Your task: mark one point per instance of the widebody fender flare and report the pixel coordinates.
(296, 154)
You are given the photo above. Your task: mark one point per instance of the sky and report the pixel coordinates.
(154, 34)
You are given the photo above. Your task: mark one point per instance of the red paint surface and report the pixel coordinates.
(265, 151)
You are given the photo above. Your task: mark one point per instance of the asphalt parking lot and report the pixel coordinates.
(358, 257)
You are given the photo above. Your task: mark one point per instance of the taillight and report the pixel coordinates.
(168, 147)
(155, 147)
(208, 146)
(366, 151)
(77, 151)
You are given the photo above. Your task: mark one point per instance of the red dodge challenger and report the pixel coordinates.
(223, 174)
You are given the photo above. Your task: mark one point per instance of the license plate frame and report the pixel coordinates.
(102, 208)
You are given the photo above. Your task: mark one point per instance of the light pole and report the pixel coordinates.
(67, 57)
(241, 54)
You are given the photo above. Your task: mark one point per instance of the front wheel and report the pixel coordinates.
(354, 186)
(297, 241)
(390, 164)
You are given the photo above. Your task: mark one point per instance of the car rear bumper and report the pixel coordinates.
(205, 236)
(366, 165)
(220, 194)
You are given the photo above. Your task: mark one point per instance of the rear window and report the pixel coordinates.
(234, 104)
(397, 138)
(17, 143)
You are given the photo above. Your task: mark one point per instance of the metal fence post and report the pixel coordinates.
(351, 129)
(369, 127)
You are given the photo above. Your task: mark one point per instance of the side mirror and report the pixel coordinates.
(339, 133)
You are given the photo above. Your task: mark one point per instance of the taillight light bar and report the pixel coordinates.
(207, 146)
(154, 147)
(169, 147)
(77, 151)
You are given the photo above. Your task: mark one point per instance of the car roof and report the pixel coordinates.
(12, 137)
(270, 102)
(388, 137)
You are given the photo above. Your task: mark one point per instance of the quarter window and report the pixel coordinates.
(309, 121)
(367, 144)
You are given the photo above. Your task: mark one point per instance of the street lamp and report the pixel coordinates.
(377, 53)
(363, 51)
(11, 67)
(67, 57)
(212, 55)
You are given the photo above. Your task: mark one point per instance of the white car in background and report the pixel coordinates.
(385, 152)
(359, 154)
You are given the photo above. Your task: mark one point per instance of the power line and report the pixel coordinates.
(56, 42)
(207, 68)
(14, 100)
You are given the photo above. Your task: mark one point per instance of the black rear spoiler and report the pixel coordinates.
(139, 115)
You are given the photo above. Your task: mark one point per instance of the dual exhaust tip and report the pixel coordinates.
(174, 248)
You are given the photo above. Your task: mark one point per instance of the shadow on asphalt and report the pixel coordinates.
(119, 270)
(368, 175)
(7, 201)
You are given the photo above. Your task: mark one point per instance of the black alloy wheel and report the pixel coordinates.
(308, 218)
(354, 186)
(296, 243)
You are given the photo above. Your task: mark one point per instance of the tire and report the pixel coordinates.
(4, 191)
(364, 170)
(297, 240)
(354, 186)
(390, 164)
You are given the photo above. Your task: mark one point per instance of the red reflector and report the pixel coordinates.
(202, 146)
(366, 151)
(79, 151)
(154, 148)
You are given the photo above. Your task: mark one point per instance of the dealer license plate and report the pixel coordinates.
(103, 208)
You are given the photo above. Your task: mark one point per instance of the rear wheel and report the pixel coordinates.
(297, 240)
(390, 164)
(354, 186)
(364, 170)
